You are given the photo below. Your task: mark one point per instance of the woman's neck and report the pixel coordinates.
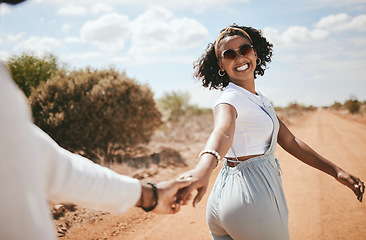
(247, 85)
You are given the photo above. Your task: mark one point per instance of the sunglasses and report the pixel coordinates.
(242, 50)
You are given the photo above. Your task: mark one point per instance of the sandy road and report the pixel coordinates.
(319, 206)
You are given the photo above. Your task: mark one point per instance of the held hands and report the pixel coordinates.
(354, 183)
(161, 198)
(167, 192)
(199, 180)
(199, 177)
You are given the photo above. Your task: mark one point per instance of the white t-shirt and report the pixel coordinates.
(253, 126)
(33, 169)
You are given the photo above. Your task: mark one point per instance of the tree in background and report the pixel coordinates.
(29, 71)
(175, 105)
(352, 104)
(96, 112)
(336, 105)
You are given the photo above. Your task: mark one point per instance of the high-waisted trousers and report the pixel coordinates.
(247, 201)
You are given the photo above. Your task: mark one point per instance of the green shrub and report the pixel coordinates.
(96, 112)
(173, 105)
(28, 70)
(336, 105)
(352, 105)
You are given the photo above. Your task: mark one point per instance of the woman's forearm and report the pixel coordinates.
(307, 155)
(304, 153)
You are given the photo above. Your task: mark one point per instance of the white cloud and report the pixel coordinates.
(294, 36)
(359, 23)
(66, 27)
(154, 31)
(342, 22)
(100, 8)
(71, 9)
(158, 31)
(38, 45)
(72, 40)
(15, 37)
(109, 32)
(359, 42)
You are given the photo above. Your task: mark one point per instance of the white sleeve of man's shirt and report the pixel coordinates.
(33, 169)
(71, 177)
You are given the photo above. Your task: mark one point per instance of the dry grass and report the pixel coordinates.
(292, 112)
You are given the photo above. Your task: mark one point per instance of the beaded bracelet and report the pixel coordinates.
(213, 152)
(155, 190)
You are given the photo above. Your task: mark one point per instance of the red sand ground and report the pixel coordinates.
(320, 207)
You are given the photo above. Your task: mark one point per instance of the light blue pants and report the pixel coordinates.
(247, 202)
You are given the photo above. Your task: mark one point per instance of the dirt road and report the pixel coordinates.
(320, 207)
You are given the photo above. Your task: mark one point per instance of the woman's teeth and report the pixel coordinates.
(242, 68)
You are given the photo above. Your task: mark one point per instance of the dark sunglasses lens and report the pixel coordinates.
(245, 49)
(229, 54)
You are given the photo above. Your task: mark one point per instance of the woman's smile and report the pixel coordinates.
(242, 67)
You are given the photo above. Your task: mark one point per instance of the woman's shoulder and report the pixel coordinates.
(229, 93)
(264, 99)
(233, 97)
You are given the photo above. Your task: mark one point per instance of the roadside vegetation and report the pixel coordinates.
(109, 117)
(292, 111)
(352, 105)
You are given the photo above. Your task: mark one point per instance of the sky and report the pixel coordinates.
(319, 51)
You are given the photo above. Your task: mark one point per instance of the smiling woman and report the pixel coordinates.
(247, 200)
(207, 68)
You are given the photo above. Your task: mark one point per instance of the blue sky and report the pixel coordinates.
(319, 45)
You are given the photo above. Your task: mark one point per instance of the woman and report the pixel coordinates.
(247, 200)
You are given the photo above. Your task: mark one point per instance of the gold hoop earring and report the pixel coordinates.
(221, 72)
(258, 61)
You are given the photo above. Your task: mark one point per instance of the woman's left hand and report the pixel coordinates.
(354, 183)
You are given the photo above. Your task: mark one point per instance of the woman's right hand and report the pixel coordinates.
(199, 178)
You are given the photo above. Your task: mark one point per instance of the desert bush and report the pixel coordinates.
(336, 105)
(29, 70)
(292, 110)
(175, 105)
(95, 112)
(352, 105)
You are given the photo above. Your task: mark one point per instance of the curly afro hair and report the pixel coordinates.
(207, 65)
